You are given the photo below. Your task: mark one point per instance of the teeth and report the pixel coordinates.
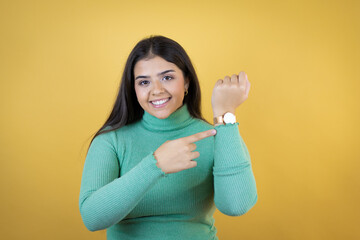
(160, 102)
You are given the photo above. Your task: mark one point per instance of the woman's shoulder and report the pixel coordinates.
(112, 132)
(115, 137)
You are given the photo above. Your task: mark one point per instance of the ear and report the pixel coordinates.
(187, 82)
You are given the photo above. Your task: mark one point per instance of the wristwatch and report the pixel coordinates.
(227, 118)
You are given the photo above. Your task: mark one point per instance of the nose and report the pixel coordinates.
(157, 88)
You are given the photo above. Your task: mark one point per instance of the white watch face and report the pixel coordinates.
(229, 118)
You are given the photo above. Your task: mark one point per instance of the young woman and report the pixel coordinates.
(157, 169)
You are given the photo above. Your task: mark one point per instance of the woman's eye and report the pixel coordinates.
(144, 82)
(167, 78)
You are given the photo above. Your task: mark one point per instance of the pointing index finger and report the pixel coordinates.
(199, 136)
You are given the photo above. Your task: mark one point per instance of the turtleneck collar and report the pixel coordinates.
(177, 120)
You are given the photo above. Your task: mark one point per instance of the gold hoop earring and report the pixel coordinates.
(186, 92)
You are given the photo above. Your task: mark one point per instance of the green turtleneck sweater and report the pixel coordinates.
(123, 191)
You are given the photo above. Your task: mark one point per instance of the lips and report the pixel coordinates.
(160, 102)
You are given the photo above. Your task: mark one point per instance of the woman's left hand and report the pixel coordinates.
(229, 93)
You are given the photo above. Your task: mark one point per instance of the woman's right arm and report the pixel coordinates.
(105, 198)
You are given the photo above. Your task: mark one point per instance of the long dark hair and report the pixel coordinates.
(126, 109)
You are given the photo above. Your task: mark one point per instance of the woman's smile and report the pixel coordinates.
(160, 102)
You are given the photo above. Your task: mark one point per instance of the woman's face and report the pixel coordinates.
(159, 86)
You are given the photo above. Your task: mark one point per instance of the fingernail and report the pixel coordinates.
(213, 131)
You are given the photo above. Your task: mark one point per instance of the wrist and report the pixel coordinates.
(221, 112)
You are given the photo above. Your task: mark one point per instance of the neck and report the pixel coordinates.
(177, 120)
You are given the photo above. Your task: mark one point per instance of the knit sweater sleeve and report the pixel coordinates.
(105, 198)
(234, 183)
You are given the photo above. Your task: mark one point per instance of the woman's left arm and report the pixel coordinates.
(234, 181)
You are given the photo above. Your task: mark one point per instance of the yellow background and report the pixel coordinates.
(61, 63)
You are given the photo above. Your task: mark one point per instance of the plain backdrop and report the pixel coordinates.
(60, 68)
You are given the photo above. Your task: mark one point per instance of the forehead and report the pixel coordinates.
(153, 66)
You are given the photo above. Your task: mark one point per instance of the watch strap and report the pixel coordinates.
(219, 120)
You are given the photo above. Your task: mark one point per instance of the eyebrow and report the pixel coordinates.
(162, 73)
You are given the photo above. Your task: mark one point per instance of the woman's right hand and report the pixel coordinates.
(177, 155)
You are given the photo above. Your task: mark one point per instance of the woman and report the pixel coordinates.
(156, 169)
